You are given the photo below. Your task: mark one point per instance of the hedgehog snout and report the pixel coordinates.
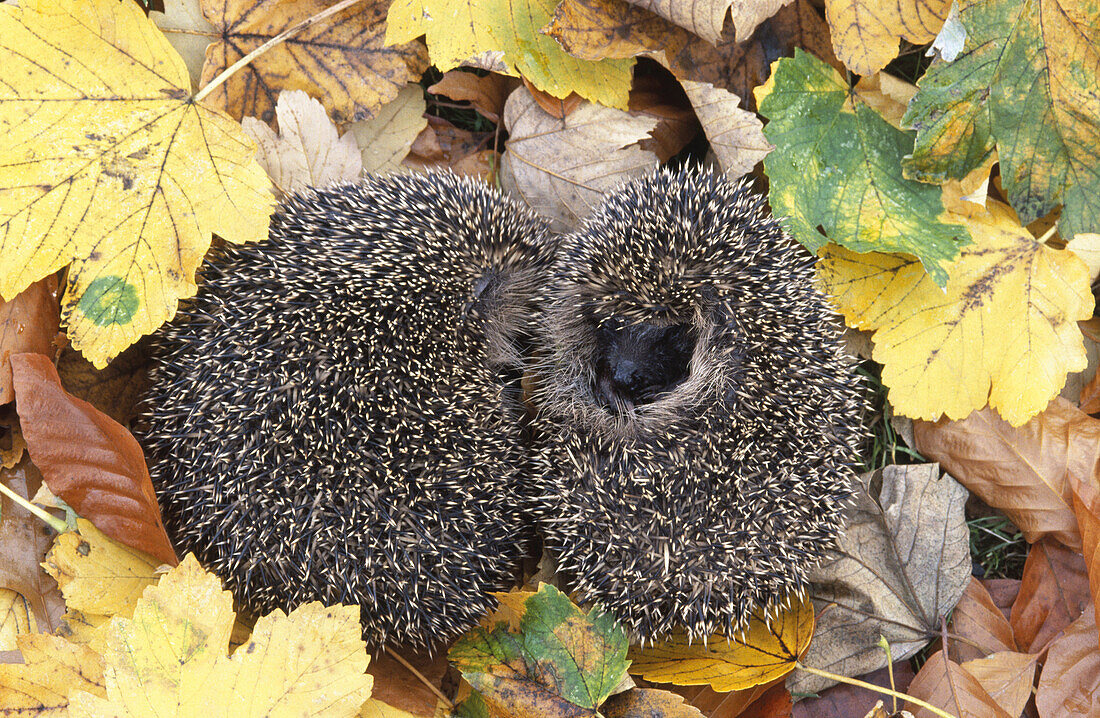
(638, 363)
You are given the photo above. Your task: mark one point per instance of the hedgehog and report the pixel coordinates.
(336, 416)
(699, 419)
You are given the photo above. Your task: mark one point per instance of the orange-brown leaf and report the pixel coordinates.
(1023, 471)
(1086, 503)
(980, 625)
(1053, 593)
(88, 459)
(1069, 686)
(28, 323)
(946, 685)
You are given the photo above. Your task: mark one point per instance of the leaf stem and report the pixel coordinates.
(232, 69)
(1048, 234)
(872, 687)
(52, 521)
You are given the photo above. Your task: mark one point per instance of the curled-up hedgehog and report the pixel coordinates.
(699, 418)
(336, 416)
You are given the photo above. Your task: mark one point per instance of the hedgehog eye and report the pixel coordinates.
(638, 363)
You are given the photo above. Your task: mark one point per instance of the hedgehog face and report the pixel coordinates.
(637, 363)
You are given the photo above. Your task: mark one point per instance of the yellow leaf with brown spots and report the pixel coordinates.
(343, 59)
(768, 649)
(108, 166)
(866, 34)
(1003, 331)
(52, 668)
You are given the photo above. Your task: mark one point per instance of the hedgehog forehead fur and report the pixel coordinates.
(715, 495)
(330, 419)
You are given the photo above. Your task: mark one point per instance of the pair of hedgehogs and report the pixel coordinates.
(341, 413)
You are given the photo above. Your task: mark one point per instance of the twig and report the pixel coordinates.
(438, 693)
(52, 521)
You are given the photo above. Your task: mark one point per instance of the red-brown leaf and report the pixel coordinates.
(28, 323)
(1069, 686)
(1053, 593)
(946, 685)
(1086, 503)
(980, 626)
(88, 459)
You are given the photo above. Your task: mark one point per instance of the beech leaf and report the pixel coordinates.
(1069, 686)
(1053, 593)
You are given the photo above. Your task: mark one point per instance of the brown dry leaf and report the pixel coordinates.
(28, 323)
(1069, 686)
(1086, 503)
(441, 144)
(903, 562)
(1053, 593)
(980, 626)
(116, 390)
(557, 107)
(89, 460)
(24, 540)
(648, 703)
(866, 35)
(385, 139)
(736, 136)
(845, 701)
(1007, 677)
(774, 703)
(596, 29)
(52, 669)
(728, 704)
(487, 93)
(308, 151)
(561, 168)
(706, 18)
(397, 687)
(1022, 471)
(1003, 591)
(341, 59)
(946, 685)
(657, 95)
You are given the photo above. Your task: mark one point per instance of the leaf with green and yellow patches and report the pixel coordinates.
(549, 658)
(1028, 84)
(457, 30)
(836, 174)
(109, 167)
(1003, 332)
(769, 649)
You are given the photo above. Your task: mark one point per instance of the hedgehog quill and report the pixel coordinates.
(699, 420)
(335, 417)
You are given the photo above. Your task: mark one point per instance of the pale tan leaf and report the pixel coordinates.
(182, 22)
(706, 18)
(1006, 676)
(561, 168)
(385, 139)
(736, 136)
(944, 684)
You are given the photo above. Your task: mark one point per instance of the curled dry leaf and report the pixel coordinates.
(903, 562)
(28, 323)
(1053, 593)
(342, 59)
(116, 390)
(946, 685)
(385, 139)
(736, 136)
(980, 627)
(561, 168)
(1022, 471)
(308, 151)
(89, 460)
(1069, 686)
(487, 93)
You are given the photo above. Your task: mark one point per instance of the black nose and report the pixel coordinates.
(627, 376)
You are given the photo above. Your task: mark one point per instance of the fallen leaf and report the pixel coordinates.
(487, 93)
(1086, 504)
(182, 22)
(846, 701)
(769, 649)
(732, 703)
(1007, 677)
(553, 659)
(52, 669)
(979, 626)
(1069, 686)
(109, 167)
(648, 703)
(459, 29)
(308, 151)
(399, 688)
(659, 96)
(116, 390)
(1022, 471)
(16, 618)
(946, 685)
(1025, 84)
(866, 35)
(1003, 591)
(1053, 593)
(561, 168)
(835, 171)
(89, 460)
(735, 135)
(170, 657)
(28, 323)
(903, 562)
(343, 59)
(1002, 332)
(706, 18)
(385, 139)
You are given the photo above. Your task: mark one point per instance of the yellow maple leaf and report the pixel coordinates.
(109, 167)
(1003, 331)
(171, 657)
(52, 667)
(866, 35)
(457, 30)
(768, 649)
